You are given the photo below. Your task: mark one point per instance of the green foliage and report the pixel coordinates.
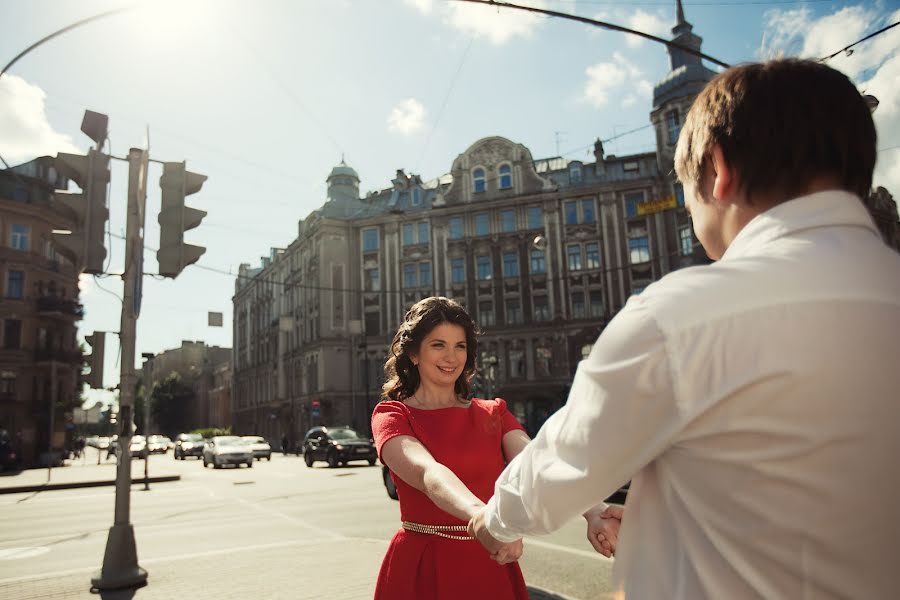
(170, 405)
(208, 432)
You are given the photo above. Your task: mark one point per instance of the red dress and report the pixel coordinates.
(421, 566)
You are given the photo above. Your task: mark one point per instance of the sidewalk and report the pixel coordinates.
(343, 569)
(78, 474)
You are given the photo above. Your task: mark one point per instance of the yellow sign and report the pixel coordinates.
(655, 206)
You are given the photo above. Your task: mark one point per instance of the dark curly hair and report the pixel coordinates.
(400, 375)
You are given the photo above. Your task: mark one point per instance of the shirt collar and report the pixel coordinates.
(822, 209)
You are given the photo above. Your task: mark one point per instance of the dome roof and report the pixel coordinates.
(343, 169)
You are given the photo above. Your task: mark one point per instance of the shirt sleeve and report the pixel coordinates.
(389, 419)
(508, 421)
(621, 413)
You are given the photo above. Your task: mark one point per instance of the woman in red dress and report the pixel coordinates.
(445, 453)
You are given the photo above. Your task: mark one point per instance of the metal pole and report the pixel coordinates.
(120, 567)
(53, 387)
(148, 382)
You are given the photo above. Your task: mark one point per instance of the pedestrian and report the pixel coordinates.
(752, 401)
(444, 452)
(284, 444)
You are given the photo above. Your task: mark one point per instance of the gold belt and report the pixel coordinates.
(438, 530)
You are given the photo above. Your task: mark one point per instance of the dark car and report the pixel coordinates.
(337, 446)
(189, 444)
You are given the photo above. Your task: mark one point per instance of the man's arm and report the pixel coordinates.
(621, 413)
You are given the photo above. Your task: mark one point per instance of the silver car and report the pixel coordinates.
(259, 446)
(227, 450)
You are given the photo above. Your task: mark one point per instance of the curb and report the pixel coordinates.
(45, 487)
(536, 593)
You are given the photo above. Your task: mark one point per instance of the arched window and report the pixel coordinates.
(505, 177)
(478, 180)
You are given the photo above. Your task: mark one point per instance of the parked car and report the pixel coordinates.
(337, 446)
(389, 483)
(158, 444)
(188, 444)
(139, 447)
(260, 447)
(227, 450)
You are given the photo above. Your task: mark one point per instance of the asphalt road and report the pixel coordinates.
(281, 501)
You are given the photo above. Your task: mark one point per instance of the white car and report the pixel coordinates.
(259, 446)
(139, 447)
(227, 450)
(158, 444)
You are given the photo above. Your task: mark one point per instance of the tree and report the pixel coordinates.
(170, 406)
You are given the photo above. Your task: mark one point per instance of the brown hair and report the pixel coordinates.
(400, 374)
(780, 124)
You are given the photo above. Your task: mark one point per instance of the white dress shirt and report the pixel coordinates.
(755, 403)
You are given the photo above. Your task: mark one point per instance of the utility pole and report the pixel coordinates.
(148, 384)
(120, 567)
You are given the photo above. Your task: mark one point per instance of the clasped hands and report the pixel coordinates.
(603, 524)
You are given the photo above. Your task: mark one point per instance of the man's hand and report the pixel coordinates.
(500, 552)
(603, 524)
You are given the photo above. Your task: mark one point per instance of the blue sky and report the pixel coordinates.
(266, 97)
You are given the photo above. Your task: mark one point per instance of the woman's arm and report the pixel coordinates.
(514, 442)
(414, 464)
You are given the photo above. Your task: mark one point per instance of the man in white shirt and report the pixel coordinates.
(754, 402)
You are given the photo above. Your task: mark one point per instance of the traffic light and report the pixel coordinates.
(97, 340)
(175, 218)
(85, 244)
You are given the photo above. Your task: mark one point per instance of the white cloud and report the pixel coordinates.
(423, 6)
(606, 77)
(25, 132)
(498, 25)
(407, 117)
(874, 65)
(653, 23)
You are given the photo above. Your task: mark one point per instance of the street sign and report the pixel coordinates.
(655, 206)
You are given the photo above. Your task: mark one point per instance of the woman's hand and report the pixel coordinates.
(603, 524)
(509, 552)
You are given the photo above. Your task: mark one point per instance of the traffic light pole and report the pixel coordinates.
(120, 566)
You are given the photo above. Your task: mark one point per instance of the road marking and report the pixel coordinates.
(582, 553)
(305, 524)
(23, 552)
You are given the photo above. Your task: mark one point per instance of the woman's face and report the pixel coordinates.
(442, 355)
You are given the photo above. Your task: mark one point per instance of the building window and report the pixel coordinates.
(15, 284)
(373, 281)
(408, 234)
(505, 177)
(482, 224)
(416, 197)
(507, 220)
(578, 305)
(570, 212)
(478, 181)
(373, 323)
(639, 250)
(592, 255)
(679, 194)
(542, 360)
(457, 270)
(673, 126)
(630, 166)
(541, 308)
(423, 232)
(535, 217)
(409, 275)
(586, 351)
(573, 257)
(510, 264)
(537, 262)
(685, 241)
(456, 228)
(18, 238)
(513, 311)
(516, 363)
(575, 172)
(424, 274)
(7, 383)
(596, 297)
(486, 313)
(370, 240)
(12, 334)
(483, 271)
(587, 210)
(632, 199)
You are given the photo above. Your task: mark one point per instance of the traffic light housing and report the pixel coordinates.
(175, 218)
(97, 341)
(85, 245)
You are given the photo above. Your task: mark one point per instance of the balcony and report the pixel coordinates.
(54, 305)
(62, 355)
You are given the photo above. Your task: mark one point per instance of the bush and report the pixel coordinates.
(208, 432)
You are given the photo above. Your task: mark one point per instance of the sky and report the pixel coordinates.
(266, 97)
